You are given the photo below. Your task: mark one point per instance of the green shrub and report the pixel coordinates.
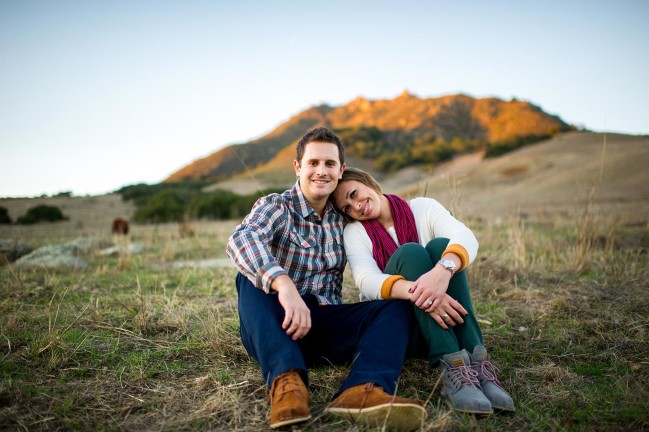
(501, 147)
(41, 213)
(4, 216)
(141, 193)
(391, 162)
(165, 206)
(363, 142)
(170, 205)
(213, 205)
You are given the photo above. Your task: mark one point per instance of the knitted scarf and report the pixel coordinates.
(383, 246)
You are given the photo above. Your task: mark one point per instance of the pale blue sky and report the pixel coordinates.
(95, 95)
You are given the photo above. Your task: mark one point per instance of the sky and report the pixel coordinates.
(96, 95)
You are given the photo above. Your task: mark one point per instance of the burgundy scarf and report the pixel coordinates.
(383, 246)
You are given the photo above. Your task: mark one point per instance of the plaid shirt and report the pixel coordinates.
(283, 235)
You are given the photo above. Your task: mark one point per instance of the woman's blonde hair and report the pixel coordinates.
(355, 174)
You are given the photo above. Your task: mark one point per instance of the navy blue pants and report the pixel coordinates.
(373, 336)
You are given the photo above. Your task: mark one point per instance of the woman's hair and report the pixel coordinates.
(360, 176)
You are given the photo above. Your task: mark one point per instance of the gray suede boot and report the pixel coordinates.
(488, 377)
(461, 388)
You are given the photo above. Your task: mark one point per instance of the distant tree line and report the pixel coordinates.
(389, 151)
(394, 150)
(40, 213)
(171, 202)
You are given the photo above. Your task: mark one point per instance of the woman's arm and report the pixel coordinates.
(434, 220)
(358, 248)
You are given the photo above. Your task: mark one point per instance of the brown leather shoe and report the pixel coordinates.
(370, 404)
(289, 400)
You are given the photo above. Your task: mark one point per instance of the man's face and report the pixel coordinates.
(319, 171)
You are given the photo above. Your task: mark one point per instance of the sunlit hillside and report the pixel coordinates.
(399, 121)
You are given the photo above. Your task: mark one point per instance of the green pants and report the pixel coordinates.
(430, 340)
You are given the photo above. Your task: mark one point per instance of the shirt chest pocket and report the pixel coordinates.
(303, 242)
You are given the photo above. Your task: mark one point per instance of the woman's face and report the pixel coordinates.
(357, 200)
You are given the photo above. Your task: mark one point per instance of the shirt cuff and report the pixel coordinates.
(459, 251)
(267, 274)
(386, 288)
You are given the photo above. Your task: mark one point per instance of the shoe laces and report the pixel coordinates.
(463, 375)
(286, 384)
(488, 371)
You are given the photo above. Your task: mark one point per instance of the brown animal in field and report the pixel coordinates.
(120, 226)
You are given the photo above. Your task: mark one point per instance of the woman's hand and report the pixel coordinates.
(427, 291)
(449, 312)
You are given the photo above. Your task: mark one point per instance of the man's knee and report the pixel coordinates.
(402, 308)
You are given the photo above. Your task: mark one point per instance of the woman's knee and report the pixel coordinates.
(436, 247)
(410, 251)
(411, 260)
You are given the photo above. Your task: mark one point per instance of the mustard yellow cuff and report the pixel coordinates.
(386, 288)
(459, 251)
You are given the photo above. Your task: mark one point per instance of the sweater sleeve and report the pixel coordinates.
(434, 220)
(367, 275)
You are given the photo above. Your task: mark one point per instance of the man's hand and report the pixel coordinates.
(297, 316)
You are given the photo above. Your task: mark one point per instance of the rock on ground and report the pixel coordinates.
(11, 250)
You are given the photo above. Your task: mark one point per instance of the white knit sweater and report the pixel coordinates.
(432, 220)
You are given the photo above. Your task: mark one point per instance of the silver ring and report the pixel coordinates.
(444, 316)
(429, 303)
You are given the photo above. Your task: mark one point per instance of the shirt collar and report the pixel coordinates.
(301, 204)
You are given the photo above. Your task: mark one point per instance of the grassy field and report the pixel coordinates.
(138, 343)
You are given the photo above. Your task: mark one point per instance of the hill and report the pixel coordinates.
(550, 177)
(556, 177)
(395, 123)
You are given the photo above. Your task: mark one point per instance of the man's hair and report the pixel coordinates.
(320, 134)
(355, 174)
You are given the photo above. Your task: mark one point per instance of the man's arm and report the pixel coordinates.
(297, 316)
(248, 247)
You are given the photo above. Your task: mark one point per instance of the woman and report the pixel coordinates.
(418, 251)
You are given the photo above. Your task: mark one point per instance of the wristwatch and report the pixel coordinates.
(448, 265)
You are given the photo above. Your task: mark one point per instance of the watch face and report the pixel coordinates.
(448, 264)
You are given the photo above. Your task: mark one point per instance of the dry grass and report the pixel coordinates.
(133, 343)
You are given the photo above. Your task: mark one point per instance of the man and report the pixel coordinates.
(290, 257)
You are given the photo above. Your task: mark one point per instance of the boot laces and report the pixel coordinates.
(463, 375)
(488, 371)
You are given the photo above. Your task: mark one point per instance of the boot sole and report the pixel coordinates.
(395, 415)
(290, 422)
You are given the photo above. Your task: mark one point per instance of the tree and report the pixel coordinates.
(42, 213)
(4, 216)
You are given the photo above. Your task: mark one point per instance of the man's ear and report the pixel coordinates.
(342, 169)
(296, 165)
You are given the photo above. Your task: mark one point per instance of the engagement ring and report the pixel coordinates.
(444, 316)
(429, 303)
